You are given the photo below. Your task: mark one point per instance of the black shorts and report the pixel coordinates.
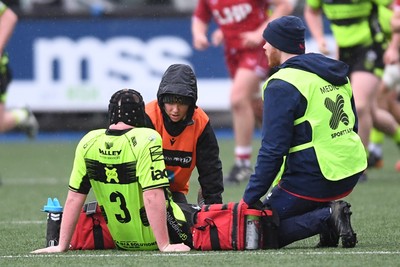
(364, 58)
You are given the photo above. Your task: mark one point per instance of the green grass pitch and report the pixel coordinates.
(33, 171)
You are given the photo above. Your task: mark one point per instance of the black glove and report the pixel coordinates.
(257, 205)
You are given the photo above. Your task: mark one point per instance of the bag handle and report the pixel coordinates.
(214, 238)
(97, 233)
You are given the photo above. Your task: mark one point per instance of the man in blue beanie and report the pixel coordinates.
(310, 146)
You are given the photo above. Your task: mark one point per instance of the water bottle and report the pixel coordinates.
(252, 232)
(54, 215)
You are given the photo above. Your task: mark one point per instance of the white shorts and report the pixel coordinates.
(391, 77)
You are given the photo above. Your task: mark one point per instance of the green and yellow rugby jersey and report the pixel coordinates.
(119, 166)
(349, 19)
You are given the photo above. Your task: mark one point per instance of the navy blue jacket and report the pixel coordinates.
(283, 104)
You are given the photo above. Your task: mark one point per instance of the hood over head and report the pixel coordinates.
(178, 85)
(180, 80)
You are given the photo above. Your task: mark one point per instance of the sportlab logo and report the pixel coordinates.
(338, 114)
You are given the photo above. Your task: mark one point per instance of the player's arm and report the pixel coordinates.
(395, 20)
(199, 34)
(280, 8)
(209, 166)
(150, 157)
(313, 17)
(391, 55)
(154, 203)
(8, 20)
(73, 206)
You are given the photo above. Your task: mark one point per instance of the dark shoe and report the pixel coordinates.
(340, 220)
(238, 174)
(328, 240)
(375, 160)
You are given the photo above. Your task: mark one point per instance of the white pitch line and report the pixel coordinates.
(34, 181)
(207, 254)
(23, 222)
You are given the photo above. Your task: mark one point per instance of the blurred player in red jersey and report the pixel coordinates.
(240, 26)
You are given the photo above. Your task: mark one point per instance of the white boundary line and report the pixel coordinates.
(201, 254)
(23, 222)
(34, 181)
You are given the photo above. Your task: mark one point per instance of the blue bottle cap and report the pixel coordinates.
(53, 206)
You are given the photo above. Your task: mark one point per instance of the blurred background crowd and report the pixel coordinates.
(98, 7)
(107, 7)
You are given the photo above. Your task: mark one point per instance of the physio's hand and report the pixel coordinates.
(52, 249)
(175, 248)
(257, 205)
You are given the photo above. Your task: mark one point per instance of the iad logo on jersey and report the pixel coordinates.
(158, 174)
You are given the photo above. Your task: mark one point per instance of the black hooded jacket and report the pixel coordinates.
(179, 79)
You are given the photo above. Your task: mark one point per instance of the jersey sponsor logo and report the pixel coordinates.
(182, 159)
(112, 175)
(133, 140)
(232, 14)
(134, 244)
(156, 153)
(370, 60)
(124, 173)
(173, 223)
(158, 174)
(110, 153)
(108, 145)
